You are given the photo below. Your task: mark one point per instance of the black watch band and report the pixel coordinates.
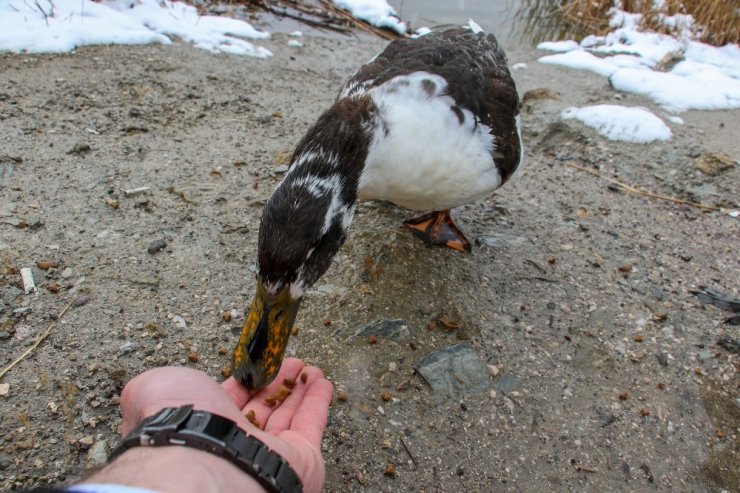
(202, 430)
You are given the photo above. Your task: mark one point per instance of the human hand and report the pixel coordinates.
(292, 428)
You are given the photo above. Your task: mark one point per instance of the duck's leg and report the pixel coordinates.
(437, 228)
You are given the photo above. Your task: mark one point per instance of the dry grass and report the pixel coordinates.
(717, 21)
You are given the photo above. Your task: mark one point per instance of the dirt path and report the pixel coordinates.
(603, 370)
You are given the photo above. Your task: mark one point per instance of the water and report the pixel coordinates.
(512, 21)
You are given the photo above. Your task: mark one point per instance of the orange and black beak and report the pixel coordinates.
(264, 337)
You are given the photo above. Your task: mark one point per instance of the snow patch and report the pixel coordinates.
(628, 124)
(705, 77)
(376, 12)
(63, 25)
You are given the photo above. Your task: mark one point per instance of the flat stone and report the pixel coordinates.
(98, 453)
(507, 383)
(391, 329)
(454, 371)
(8, 294)
(22, 311)
(500, 241)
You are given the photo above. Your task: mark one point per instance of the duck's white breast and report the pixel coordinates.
(426, 153)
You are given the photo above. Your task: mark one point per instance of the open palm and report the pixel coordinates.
(293, 428)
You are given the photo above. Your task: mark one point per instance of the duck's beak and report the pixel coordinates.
(259, 353)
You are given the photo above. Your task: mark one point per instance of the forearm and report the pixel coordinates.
(175, 470)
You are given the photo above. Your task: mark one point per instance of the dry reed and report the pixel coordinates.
(716, 21)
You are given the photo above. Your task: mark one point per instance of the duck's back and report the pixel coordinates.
(448, 112)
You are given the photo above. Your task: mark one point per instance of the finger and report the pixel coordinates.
(281, 417)
(258, 403)
(310, 418)
(238, 392)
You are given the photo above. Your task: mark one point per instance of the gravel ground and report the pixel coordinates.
(582, 361)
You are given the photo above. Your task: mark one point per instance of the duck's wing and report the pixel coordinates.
(477, 76)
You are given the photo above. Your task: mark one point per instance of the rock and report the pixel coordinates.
(718, 299)
(730, 344)
(14, 221)
(156, 246)
(500, 241)
(669, 61)
(179, 322)
(4, 389)
(98, 453)
(86, 441)
(391, 329)
(80, 149)
(507, 383)
(67, 273)
(6, 327)
(128, 347)
(19, 312)
(8, 294)
(705, 355)
(23, 331)
(713, 164)
(662, 358)
(454, 371)
(537, 94)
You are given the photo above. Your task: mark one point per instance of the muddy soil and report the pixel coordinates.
(602, 370)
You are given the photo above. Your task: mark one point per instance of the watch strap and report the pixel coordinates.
(209, 432)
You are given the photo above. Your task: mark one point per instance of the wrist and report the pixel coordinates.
(175, 469)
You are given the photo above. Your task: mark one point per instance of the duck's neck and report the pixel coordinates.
(307, 218)
(336, 147)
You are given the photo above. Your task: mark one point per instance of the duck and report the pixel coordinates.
(429, 124)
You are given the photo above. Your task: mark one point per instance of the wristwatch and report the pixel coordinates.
(202, 430)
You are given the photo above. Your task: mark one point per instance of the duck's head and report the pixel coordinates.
(303, 225)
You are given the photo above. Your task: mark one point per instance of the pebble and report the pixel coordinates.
(385, 328)
(179, 322)
(4, 389)
(156, 246)
(98, 453)
(80, 148)
(23, 331)
(86, 441)
(8, 294)
(128, 347)
(67, 273)
(705, 355)
(500, 241)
